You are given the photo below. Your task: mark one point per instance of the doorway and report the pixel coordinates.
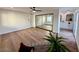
(66, 22)
(66, 30)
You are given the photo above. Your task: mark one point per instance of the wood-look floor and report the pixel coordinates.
(30, 37)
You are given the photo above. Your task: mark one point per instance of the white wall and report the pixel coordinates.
(13, 21)
(0, 19)
(56, 21)
(33, 21)
(76, 27)
(76, 31)
(65, 25)
(75, 24)
(77, 34)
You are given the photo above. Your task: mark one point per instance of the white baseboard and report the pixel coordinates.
(6, 30)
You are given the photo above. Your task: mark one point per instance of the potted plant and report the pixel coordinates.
(56, 44)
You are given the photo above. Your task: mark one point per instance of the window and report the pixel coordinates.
(49, 18)
(44, 19)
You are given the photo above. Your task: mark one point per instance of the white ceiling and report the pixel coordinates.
(44, 9)
(28, 10)
(70, 9)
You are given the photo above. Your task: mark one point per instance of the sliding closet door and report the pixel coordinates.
(40, 20)
(44, 21)
(49, 19)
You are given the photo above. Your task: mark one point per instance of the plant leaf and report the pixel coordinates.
(55, 43)
(64, 47)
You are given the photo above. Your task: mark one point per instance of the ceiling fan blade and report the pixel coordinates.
(34, 9)
(38, 10)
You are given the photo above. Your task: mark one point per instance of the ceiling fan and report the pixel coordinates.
(35, 10)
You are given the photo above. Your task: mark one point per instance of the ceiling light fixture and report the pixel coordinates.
(34, 11)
